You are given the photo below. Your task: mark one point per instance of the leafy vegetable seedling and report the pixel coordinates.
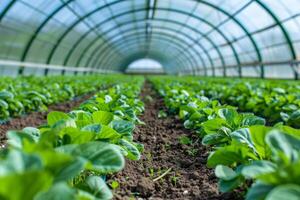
(114, 185)
(162, 114)
(185, 140)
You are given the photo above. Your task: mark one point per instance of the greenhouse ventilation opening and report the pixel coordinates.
(256, 38)
(149, 99)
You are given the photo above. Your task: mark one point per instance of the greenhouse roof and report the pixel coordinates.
(209, 37)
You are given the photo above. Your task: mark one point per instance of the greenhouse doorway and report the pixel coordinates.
(145, 66)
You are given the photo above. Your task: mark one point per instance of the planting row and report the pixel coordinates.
(245, 152)
(69, 157)
(25, 94)
(277, 101)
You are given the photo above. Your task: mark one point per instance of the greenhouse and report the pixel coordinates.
(149, 99)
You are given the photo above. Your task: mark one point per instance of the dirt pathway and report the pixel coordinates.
(188, 177)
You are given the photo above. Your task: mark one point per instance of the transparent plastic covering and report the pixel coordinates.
(257, 38)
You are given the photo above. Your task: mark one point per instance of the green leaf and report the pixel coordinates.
(122, 126)
(108, 133)
(18, 162)
(97, 187)
(82, 118)
(102, 117)
(103, 157)
(55, 116)
(25, 185)
(258, 137)
(213, 125)
(243, 136)
(289, 130)
(17, 139)
(226, 186)
(78, 136)
(229, 114)
(284, 146)
(185, 140)
(62, 124)
(6, 95)
(257, 168)
(213, 139)
(228, 156)
(225, 173)
(258, 191)
(284, 174)
(251, 120)
(132, 151)
(94, 128)
(289, 191)
(70, 171)
(57, 192)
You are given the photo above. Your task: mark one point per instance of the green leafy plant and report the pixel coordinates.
(69, 156)
(185, 140)
(244, 149)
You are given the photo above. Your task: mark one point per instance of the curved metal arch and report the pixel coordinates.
(98, 9)
(109, 53)
(253, 41)
(6, 9)
(145, 54)
(143, 9)
(133, 45)
(220, 10)
(125, 13)
(75, 24)
(133, 37)
(50, 16)
(163, 28)
(171, 21)
(208, 4)
(142, 54)
(103, 52)
(132, 42)
(174, 10)
(283, 30)
(38, 30)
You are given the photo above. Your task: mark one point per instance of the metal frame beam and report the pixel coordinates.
(284, 32)
(230, 16)
(189, 27)
(119, 15)
(100, 8)
(106, 55)
(6, 9)
(198, 18)
(103, 50)
(144, 54)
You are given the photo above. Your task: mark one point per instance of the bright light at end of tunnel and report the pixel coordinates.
(145, 65)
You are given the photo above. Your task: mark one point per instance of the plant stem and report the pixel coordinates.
(161, 176)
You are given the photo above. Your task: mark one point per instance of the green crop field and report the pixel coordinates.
(149, 99)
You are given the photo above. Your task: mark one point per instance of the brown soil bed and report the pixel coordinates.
(189, 177)
(35, 119)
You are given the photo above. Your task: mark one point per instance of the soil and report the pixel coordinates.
(189, 178)
(35, 119)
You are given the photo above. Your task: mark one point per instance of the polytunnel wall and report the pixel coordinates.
(246, 38)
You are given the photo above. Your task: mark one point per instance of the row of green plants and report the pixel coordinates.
(245, 153)
(276, 100)
(22, 95)
(69, 156)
